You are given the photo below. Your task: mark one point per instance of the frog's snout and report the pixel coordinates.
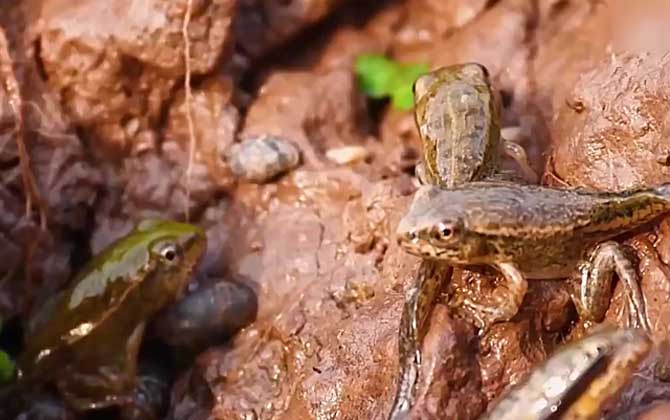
(407, 237)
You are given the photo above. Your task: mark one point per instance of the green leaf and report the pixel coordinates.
(380, 77)
(402, 96)
(6, 368)
(402, 99)
(374, 74)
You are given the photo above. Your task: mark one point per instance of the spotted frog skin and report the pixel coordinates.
(528, 231)
(85, 341)
(577, 380)
(457, 114)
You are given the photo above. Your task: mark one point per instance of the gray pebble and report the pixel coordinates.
(209, 315)
(261, 159)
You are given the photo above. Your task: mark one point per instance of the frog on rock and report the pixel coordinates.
(85, 340)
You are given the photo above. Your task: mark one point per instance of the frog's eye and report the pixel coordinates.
(443, 231)
(168, 252)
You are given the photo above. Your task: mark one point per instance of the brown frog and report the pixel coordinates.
(529, 231)
(457, 114)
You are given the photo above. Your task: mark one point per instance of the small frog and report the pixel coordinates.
(577, 380)
(457, 114)
(85, 340)
(529, 231)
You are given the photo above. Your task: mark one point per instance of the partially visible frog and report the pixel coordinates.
(86, 339)
(529, 231)
(457, 114)
(577, 380)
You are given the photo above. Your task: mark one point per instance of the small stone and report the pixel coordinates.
(260, 159)
(347, 154)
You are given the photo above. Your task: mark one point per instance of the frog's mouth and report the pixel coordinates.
(413, 244)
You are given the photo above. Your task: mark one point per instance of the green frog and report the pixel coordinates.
(86, 339)
(529, 231)
(457, 114)
(577, 380)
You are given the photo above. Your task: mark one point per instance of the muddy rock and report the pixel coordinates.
(314, 111)
(504, 24)
(611, 132)
(401, 144)
(431, 21)
(114, 66)
(573, 37)
(264, 24)
(510, 350)
(449, 380)
(215, 123)
(312, 350)
(621, 118)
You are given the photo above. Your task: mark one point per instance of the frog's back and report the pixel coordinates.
(457, 119)
(529, 211)
(91, 297)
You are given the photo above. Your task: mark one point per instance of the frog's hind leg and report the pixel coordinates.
(504, 302)
(595, 288)
(419, 302)
(103, 374)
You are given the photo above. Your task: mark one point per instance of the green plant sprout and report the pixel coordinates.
(380, 77)
(6, 365)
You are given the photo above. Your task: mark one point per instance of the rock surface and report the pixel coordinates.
(108, 126)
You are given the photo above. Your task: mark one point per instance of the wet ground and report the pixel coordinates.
(104, 129)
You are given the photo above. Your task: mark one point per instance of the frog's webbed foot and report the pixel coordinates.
(595, 291)
(503, 303)
(419, 304)
(514, 150)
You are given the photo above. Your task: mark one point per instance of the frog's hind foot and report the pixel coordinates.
(595, 291)
(519, 155)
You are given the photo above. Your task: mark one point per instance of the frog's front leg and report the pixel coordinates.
(504, 302)
(595, 291)
(509, 137)
(518, 153)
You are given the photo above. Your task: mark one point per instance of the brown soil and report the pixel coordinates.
(105, 116)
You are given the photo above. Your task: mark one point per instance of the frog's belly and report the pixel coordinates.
(555, 271)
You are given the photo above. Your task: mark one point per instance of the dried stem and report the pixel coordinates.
(11, 86)
(188, 99)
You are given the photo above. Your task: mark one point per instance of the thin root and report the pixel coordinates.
(188, 99)
(11, 86)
